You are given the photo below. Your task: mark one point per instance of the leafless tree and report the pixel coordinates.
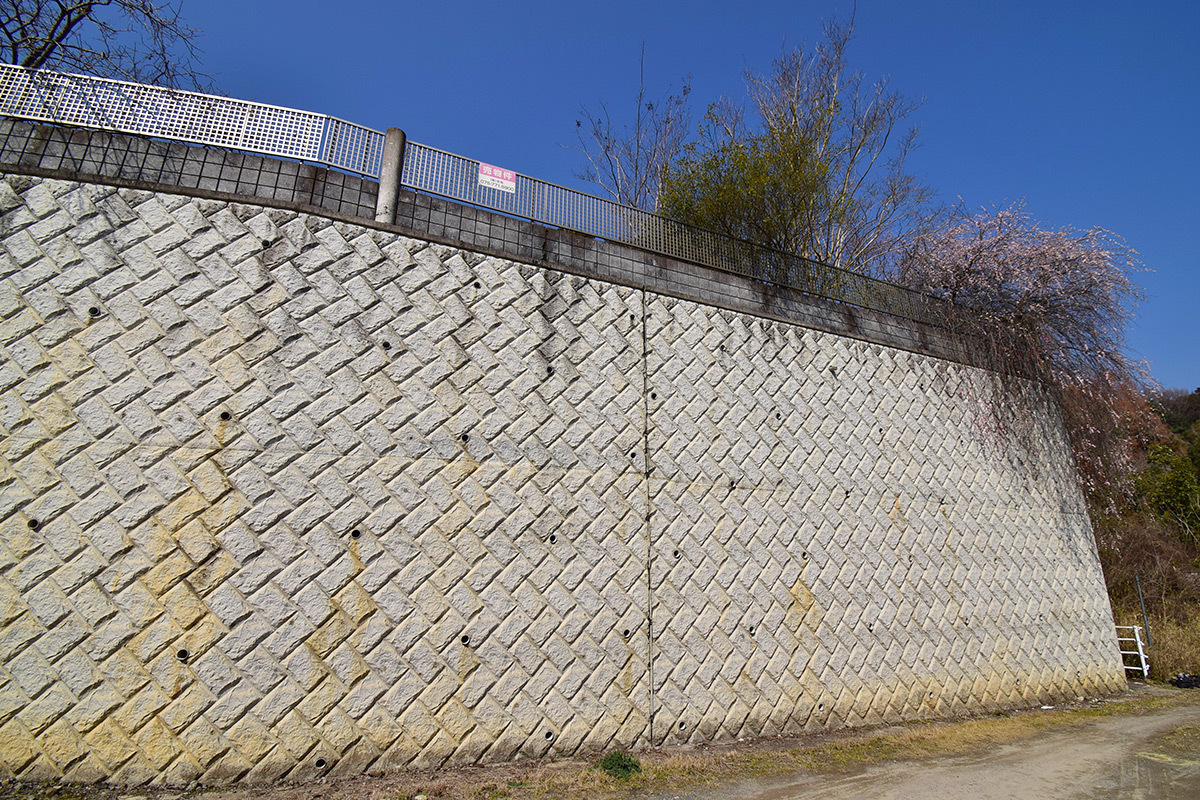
(628, 162)
(138, 40)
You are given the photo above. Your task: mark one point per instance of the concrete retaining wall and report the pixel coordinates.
(283, 495)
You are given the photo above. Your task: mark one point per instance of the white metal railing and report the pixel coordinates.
(120, 106)
(1137, 648)
(188, 117)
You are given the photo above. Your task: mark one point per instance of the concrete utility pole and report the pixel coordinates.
(389, 176)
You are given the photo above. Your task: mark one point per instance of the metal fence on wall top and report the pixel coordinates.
(188, 117)
(448, 175)
(120, 106)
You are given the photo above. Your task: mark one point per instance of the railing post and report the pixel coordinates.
(389, 176)
(1137, 634)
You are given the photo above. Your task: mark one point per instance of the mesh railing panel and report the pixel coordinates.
(352, 147)
(189, 117)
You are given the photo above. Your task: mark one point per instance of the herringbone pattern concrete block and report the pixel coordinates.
(284, 496)
(827, 538)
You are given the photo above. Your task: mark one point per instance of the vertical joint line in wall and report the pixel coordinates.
(649, 538)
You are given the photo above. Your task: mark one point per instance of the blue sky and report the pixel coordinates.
(1090, 112)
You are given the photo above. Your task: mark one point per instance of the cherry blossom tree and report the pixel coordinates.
(1052, 305)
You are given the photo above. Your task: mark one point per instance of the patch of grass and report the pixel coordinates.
(1185, 739)
(619, 765)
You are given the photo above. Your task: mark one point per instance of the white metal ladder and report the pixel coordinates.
(1135, 640)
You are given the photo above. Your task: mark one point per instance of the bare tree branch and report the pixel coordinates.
(138, 40)
(628, 163)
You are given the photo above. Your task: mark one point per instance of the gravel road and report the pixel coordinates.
(1150, 757)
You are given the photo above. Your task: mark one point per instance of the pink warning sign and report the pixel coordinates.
(496, 178)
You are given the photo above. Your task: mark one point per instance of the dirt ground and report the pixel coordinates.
(1144, 744)
(1151, 756)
